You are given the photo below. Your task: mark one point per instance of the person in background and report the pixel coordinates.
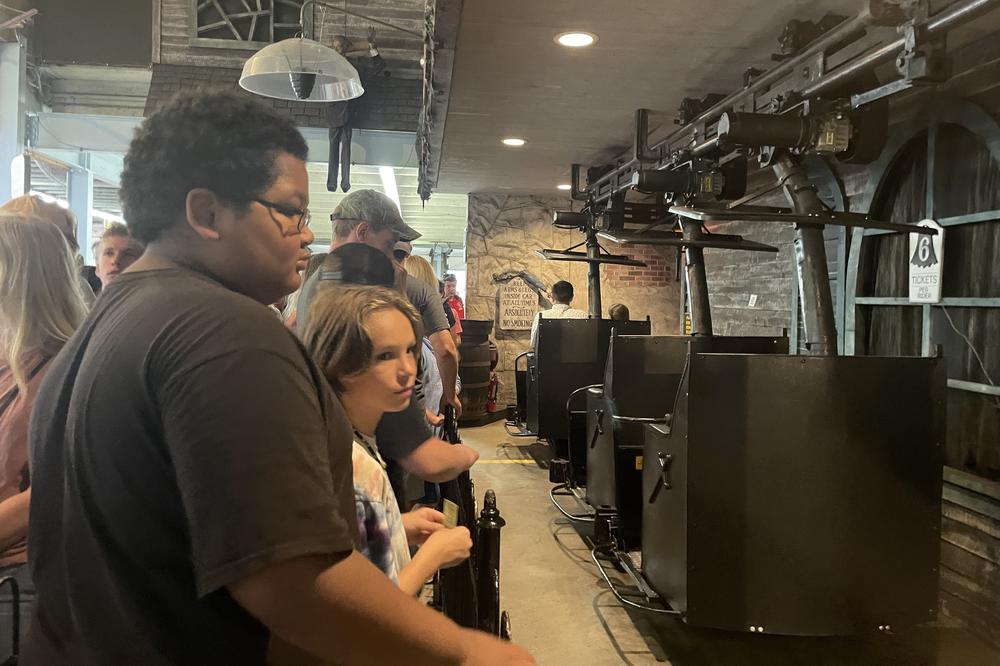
(202, 502)
(115, 252)
(373, 219)
(290, 311)
(429, 386)
(31, 205)
(418, 267)
(562, 299)
(402, 250)
(360, 264)
(618, 312)
(451, 296)
(41, 305)
(365, 339)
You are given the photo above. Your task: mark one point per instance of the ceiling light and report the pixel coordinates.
(575, 39)
(564, 186)
(301, 69)
(513, 141)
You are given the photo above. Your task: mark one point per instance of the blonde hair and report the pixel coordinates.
(421, 269)
(29, 205)
(337, 333)
(41, 301)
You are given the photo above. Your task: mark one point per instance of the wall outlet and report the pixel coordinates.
(753, 301)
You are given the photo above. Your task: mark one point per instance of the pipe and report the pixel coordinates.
(706, 146)
(762, 129)
(593, 274)
(841, 33)
(810, 259)
(640, 145)
(940, 23)
(949, 18)
(698, 301)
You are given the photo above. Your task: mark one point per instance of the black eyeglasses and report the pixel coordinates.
(300, 216)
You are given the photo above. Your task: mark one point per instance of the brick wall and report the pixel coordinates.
(660, 269)
(734, 276)
(391, 104)
(503, 234)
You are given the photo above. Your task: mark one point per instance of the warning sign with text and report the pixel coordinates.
(926, 257)
(518, 305)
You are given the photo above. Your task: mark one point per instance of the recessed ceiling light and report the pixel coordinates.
(575, 39)
(564, 186)
(513, 141)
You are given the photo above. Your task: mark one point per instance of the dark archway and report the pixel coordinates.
(945, 165)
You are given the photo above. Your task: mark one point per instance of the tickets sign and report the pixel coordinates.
(926, 259)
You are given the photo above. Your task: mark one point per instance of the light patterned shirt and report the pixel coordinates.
(381, 536)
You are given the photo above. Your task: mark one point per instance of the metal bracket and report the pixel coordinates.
(566, 255)
(666, 462)
(921, 62)
(640, 142)
(773, 214)
(575, 193)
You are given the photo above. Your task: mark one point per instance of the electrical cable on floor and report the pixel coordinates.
(974, 351)
(552, 496)
(618, 595)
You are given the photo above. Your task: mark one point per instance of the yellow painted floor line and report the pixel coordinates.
(506, 461)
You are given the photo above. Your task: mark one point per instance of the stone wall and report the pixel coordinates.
(503, 234)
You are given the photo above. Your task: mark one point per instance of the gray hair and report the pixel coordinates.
(375, 208)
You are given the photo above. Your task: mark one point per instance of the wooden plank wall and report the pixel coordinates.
(970, 552)
(175, 47)
(402, 51)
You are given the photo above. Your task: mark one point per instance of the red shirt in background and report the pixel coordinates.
(457, 306)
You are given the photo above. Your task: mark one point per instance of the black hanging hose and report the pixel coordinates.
(621, 598)
(555, 503)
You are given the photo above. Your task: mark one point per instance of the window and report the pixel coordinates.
(245, 24)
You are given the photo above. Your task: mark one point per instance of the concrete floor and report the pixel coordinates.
(562, 611)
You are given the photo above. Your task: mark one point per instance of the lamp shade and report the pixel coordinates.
(301, 69)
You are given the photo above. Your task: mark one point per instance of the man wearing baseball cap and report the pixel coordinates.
(402, 250)
(372, 218)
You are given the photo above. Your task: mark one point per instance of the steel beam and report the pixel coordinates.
(593, 275)
(81, 202)
(816, 69)
(698, 304)
(810, 252)
(12, 85)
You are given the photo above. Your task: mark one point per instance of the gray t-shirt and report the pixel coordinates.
(181, 441)
(419, 293)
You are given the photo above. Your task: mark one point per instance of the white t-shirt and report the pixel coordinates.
(558, 311)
